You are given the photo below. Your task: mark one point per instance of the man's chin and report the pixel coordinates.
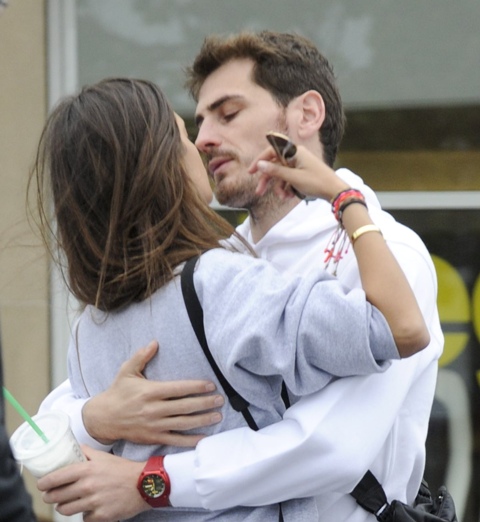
(235, 195)
(228, 202)
(231, 200)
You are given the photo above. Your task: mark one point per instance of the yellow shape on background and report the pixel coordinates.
(454, 307)
(476, 307)
(476, 314)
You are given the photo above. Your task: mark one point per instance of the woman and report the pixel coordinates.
(131, 201)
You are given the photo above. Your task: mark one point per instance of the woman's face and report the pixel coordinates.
(194, 164)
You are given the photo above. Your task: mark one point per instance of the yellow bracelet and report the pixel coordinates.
(363, 230)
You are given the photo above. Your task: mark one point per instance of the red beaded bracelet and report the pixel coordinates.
(343, 199)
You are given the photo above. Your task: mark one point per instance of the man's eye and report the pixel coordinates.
(229, 116)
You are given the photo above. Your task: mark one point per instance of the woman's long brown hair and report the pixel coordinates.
(125, 210)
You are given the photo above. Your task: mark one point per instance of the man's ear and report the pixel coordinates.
(308, 113)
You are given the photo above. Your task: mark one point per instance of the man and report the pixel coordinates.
(246, 86)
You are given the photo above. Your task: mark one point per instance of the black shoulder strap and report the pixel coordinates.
(370, 495)
(284, 394)
(195, 313)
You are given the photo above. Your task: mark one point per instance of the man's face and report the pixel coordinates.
(233, 116)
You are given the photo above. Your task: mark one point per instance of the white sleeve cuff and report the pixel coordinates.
(181, 469)
(78, 428)
(62, 398)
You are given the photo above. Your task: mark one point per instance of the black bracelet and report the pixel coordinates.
(341, 210)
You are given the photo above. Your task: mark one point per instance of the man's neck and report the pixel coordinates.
(264, 217)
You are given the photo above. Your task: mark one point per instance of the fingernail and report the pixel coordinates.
(262, 165)
(216, 417)
(210, 387)
(219, 400)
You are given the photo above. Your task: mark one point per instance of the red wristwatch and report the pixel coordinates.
(154, 483)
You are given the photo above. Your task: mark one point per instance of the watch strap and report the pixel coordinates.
(154, 466)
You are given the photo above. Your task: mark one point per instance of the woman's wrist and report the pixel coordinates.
(364, 229)
(354, 217)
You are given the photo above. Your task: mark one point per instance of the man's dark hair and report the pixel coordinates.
(286, 65)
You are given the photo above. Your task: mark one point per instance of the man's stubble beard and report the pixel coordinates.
(243, 196)
(239, 193)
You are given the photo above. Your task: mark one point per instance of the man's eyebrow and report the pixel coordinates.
(217, 104)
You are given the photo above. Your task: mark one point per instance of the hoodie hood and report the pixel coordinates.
(302, 226)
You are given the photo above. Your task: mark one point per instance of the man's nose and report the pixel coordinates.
(207, 137)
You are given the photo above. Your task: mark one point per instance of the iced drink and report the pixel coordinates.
(41, 457)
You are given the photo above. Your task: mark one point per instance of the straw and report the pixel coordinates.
(11, 399)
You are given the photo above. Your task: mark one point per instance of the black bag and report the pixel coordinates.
(370, 495)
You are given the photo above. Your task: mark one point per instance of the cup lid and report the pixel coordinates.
(25, 442)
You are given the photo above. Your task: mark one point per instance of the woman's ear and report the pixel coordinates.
(308, 112)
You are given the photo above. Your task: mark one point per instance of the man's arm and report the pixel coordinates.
(311, 450)
(134, 408)
(105, 486)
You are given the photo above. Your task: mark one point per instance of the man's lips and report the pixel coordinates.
(215, 164)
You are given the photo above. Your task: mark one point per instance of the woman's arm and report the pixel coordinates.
(383, 280)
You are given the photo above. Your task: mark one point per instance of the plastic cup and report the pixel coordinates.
(41, 457)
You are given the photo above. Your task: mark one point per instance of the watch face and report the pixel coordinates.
(153, 486)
